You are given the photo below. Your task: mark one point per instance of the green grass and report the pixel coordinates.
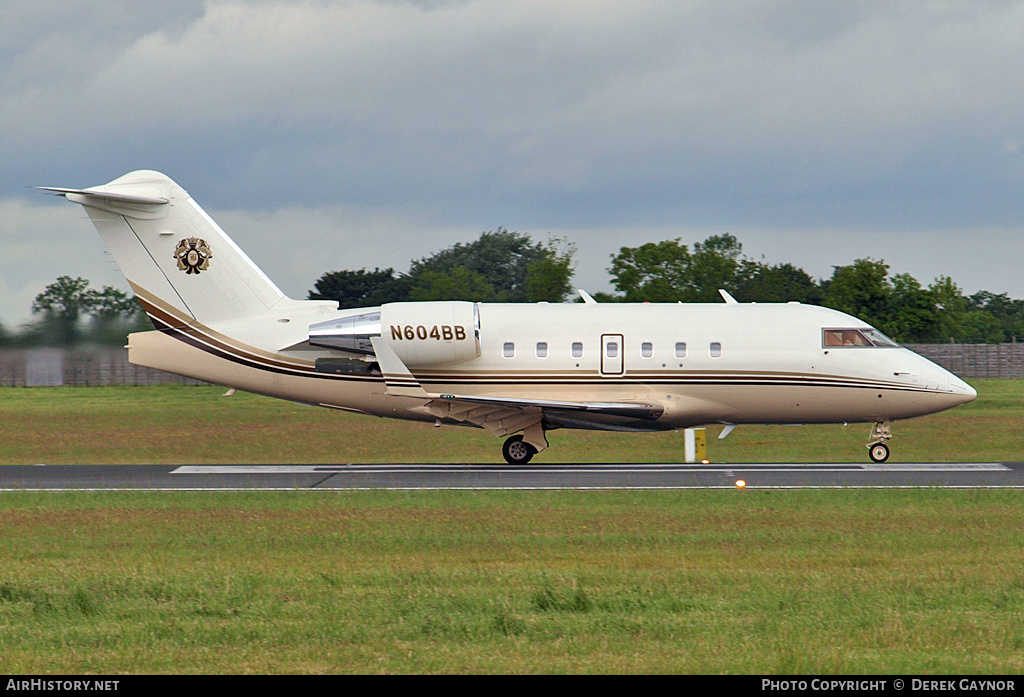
(858, 581)
(920, 581)
(176, 424)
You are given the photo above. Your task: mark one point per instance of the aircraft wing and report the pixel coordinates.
(505, 415)
(502, 416)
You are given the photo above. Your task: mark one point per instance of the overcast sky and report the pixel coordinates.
(341, 135)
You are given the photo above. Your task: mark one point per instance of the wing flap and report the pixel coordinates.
(635, 410)
(502, 416)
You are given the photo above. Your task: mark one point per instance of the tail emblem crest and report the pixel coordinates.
(193, 255)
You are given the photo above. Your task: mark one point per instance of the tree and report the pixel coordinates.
(62, 303)
(500, 266)
(913, 311)
(714, 265)
(781, 283)
(652, 272)
(362, 288)
(110, 304)
(66, 297)
(548, 279)
(957, 321)
(457, 284)
(518, 269)
(67, 301)
(951, 309)
(981, 327)
(862, 290)
(1007, 312)
(668, 272)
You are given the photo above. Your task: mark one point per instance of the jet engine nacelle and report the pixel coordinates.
(431, 333)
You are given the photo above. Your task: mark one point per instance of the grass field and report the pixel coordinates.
(197, 425)
(858, 581)
(920, 581)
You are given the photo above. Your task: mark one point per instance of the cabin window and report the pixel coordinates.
(716, 349)
(611, 349)
(542, 349)
(680, 349)
(577, 349)
(646, 349)
(508, 350)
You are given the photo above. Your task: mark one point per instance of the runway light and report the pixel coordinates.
(740, 483)
(705, 462)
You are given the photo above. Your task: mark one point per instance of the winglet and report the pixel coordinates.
(400, 382)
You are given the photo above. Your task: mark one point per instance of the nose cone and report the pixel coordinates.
(960, 391)
(943, 390)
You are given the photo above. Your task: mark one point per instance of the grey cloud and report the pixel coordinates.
(536, 94)
(460, 116)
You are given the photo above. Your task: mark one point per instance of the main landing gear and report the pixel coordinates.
(878, 451)
(517, 451)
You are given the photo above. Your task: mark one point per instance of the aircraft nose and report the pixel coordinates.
(960, 390)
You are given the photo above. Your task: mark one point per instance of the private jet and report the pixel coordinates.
(516, 370)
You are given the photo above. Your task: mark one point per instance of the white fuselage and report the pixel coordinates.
(702, 363)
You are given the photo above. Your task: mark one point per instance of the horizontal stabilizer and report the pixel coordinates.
(106, 195)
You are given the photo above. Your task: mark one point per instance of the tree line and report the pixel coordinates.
(504, 266)
(500, 266)
(69, 312)
(898, 305)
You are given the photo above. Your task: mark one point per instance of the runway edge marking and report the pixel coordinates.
(564, 469)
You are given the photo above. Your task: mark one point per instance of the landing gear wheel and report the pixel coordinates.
(879, 452)
(517, 452)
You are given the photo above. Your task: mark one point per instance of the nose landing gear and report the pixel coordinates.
(878, 451)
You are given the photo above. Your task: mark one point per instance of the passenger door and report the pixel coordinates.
(611, 354)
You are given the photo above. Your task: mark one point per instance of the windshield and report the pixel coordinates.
(880, 339)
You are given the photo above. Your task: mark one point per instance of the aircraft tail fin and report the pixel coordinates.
(182, 266)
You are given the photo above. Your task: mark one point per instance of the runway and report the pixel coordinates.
(492, 476)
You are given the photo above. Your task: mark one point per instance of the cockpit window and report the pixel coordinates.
(845, 337)
(880, 339)
(856, 337)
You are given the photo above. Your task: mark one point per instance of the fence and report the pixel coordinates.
(46, 366)
(976, 360)
(50, 367)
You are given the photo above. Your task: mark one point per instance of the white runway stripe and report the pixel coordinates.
(440, 468)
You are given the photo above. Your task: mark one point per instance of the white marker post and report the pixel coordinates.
(695, 445)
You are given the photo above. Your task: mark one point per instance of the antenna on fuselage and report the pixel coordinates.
(729, 300)
(587, 299)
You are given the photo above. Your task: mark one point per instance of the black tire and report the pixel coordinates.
(517, 452)
(879, 452)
